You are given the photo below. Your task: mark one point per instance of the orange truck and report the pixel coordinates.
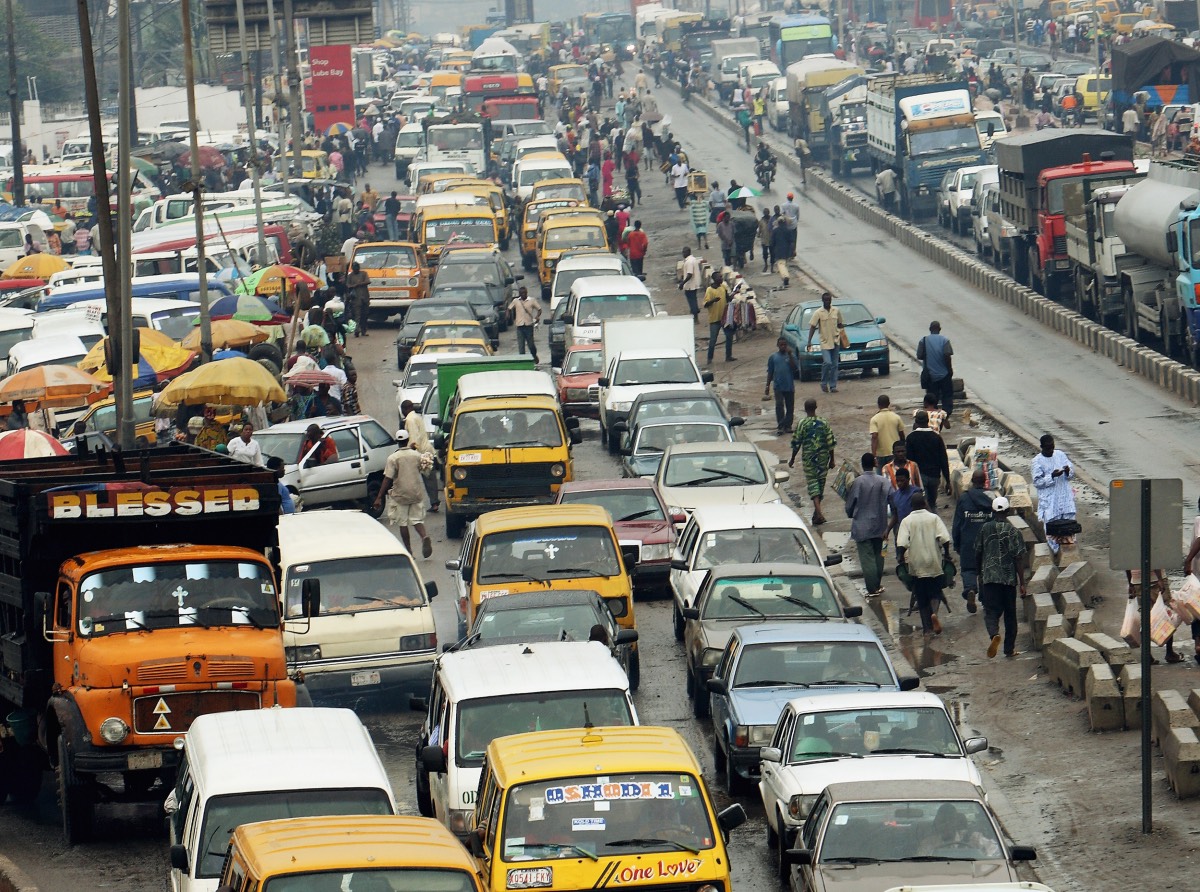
(135, 595)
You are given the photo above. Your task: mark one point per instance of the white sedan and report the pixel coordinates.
(694, 475)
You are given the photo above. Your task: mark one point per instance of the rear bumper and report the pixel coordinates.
(336, 684)
(651, 574)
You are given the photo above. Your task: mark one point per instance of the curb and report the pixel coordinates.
(13, 879)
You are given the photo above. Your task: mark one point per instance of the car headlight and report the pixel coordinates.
(760, 735)
(676, 509)
(113, 730)
(577, 393)
(800, 805)
(413, 281)
(579, 341)
(558, 469)
(656, 552)
(710, 657)
(622, 407)
(877, 343)
(303, 653)
(814, 348)
(530, 233)
(460, 819)
(549, 263)
(459, 474)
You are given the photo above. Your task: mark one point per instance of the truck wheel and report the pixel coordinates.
(74, 799)
(1031, 266)
(1193, 351)
(455, 525)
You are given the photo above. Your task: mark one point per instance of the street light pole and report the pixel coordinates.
(277, 80)
(189, 76)
(251, 132)
(14, 114)
(293, 76)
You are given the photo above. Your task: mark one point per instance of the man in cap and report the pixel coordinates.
(404, 488)
(1000, 557)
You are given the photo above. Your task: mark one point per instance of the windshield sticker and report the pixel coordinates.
(601, 805)
(530, 878)
(627, 790)
(470, 458)
(537, 809)
(685, 791)
(658, 870)
(587, 823)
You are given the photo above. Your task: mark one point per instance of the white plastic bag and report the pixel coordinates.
(1131, 626)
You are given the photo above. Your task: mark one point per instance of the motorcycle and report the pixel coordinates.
(764, 172)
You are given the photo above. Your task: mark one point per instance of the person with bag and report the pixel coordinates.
(716, 300)
(923, 548)
(815, 438)
(937, 371)
(973, 511)
(999, 554)
(1056, 500)
(1164, 615)
(414, 424)
(927, 449)
(867, 508)
(828, 322)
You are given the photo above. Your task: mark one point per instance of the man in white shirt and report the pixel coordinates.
(334, 370)
(246, 448)
(1131, 122)
(690, 283)
(679, 179)
(922, 544)
(348, 248)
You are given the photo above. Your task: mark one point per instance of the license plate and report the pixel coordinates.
(849, 357)
(142, 761)
(359, 679)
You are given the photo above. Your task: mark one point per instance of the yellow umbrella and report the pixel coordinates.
(149, 337)
(155, 364)
(227, 333)
(228, 382)
(35, 266)
(53, 385)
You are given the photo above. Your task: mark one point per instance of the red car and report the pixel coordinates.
(578, 382)
(645, 529)
(408, 204)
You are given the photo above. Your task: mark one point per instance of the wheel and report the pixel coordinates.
(1131, 326)
(805, 375)
(1192, 349)
(455, 524)
(699, 698)
(884, 369)
(835, 164)
(689, 683)
(1080, 301)
(772, 836)
(259, 352)
(978, 248)
(782, 868)
(677, 622)
(74, 799)
(635, 670)
(718, 754)
(504, 243)
(614, 441)
(1031, 272)
(1169, 342)
(733, 781)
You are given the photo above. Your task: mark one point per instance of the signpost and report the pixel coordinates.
(1144, 522)
(331, 99)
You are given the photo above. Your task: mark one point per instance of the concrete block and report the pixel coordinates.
(1027, 535)
(1068, 554)
(1130, 680)
(1074, 577)
(1168, 709)
(1193, 700)
(1067, 662)
(1042, 579)
(1040, 555)
(1037, 608)
(1053, 629)
(1068, 603)
(1104, 706)
(1116, 653)
(1083, 624)
(1181, 759)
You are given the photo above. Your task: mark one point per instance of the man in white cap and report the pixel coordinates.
(404, 488)
(1000, 557)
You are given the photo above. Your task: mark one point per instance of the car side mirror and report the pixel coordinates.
(718, 686)
(310, 597)
(1022, 853)
(626, 636)
(770, 754)
(782, 476)
(431, 590)
(707, 377)
(731, 818)
(798, 857)
(454, 565)
(439, 441)
(179, 858)
(433, 758)
(621, 427)
(909, 683)
(953, 188)
(419, 704)
(1172, 242)
(832, 560)
(576, 436)
(880, 320)
(974, 745)
(678, 563)
(737, 421)
(679, 519)
(508, 280)
(604, 382)
(568, 318)
(690, 612)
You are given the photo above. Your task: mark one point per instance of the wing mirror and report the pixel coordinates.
(310, 597)
(975, 745)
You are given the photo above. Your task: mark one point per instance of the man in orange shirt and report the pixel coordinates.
(639, 244)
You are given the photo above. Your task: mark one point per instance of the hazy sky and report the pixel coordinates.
(429, 16)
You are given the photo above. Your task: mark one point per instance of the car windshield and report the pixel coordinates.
(624, 504)
(852, 314)
(225, 814)
(593, 310)
(450, 331)
(715, 469)
(352, 585)
(534, 213)
(504, 428)
(532, 174)
(176, 324)
(390, 879)
(661, 370)
(754, 546)
(482, 720)
(925, 830)
(813, 664)
(740, 597)
(473, 295)
(456, 138)
(172, 595)
(548, 554)
(580, 362)
(576, 237)
(700, 404)
(385, 258)
(558, 190)
(558, 622)
(657, 437)
(421, 375)
(410, 140)
(461, 229)
(870, 732)
(421, 312)
(927, 142)
(452, 272)
(604, 815)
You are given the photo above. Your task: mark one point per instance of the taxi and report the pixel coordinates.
(530, 215)
(589, 808)
(366, 851)
(559, 187)
(558, 76)
(439, 225)
(397, 274)
(314, 165)
(496, 200)
(438, 333)
(562, 230)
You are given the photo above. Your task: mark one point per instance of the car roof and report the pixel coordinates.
(692, 448)
(522, 758)
(602, 485)
(774, 568)
(657, 396)
(591, 260)
(806, 632)
(529, 668)
(306, 536)
(593, 286)
(866, 700)
(743, 517)
(541, 516)
(505, 383)
(676, 420)
(881, 791)
(327, 423)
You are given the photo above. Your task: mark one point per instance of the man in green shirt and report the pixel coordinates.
(1000, 557)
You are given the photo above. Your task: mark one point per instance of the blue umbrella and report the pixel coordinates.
(249, 308)
(229, 354)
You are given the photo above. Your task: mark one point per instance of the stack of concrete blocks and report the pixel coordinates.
(1174, 723)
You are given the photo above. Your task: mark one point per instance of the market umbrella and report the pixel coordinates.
(53, 385)
(228, 354)
(339, 129)
(35, 266)
(745, 192)
(142, 166)
(171, 150)
(230, 382)
(226, 333)
(210, 158)
(28, 443)
(248, 308)
(161, 359)
(269, 280)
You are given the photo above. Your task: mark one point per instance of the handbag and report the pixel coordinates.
(949, 571)
(1063, 527)
(1164, 620)
(844, 478)
(926, 380)
(1186, 598)
(1131, 626)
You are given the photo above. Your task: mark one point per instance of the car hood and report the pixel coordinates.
(861, 334)
(648, 532)
(890, 874)
(813, 776)
(583, 379)
(692, 497)
(760, 706)
(644, 465)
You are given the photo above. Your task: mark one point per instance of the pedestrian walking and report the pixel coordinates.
(358, 285)
(927, 449)
(867, 508)
(938, 419)
(245, 448)
(1056, 499)
(815, 441)
(973, 510)
(404, 490)
(391, 210)
(717, 202)
(901, 462)
(885, 188)
(725, 237)
(699, 214)
(782, 370)
(923, 545)
(525, 314)
(343, 210)
(639, 244)
(886, 429)
(716, 298)
(935, 353)
(414, 425)
(827, 322)
(742, 115)
(633, 178)
(764, 238)
(745, 230)
(791, 220)
(1000, 557)
(679, 180)
(690, 282)
(781, 242)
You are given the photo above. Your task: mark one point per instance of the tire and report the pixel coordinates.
(74, 799)
(1031, 261)
(1131, 326)
(734, 783)
(455, 524)
(884, 369)
(835, 164)
(805, 376)
(689, 683)
(782, 868)
(269, 352)
(978, 248)
(504, 243)
(699, 699)
(1169, 345)
(614, 441)
(772, 836)
(677, 621)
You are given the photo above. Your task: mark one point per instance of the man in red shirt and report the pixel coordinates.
(638, 245)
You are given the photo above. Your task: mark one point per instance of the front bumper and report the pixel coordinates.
(586, 409)
(118, 760)
(336, 682)
(472, 508)
(745, 761)
(393, 298)
(863, 359)
(651, 574)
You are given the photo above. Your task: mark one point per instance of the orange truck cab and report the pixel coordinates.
(116, 635)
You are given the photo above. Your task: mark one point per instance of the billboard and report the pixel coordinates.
(331, 98)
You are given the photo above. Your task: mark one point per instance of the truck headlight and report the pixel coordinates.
(113, 730)
(413, 281)
(576, 393)
(877, 343)
(622, 407)
(710, 657)
(558, 469)
(656, 552)
(459, 474)
(530, 233)
(303, 653)
(549, 264)
(460, 819)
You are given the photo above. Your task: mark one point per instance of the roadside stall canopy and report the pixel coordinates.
(1151, 62)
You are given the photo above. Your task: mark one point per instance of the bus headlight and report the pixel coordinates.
(459, 474)
(558, 469)
(113, 730)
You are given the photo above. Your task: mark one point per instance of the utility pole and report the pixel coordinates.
(122, 374)
(14, 114)
(189, 75)
(251, 131)
(277, 80)
(133, 67)
(293, 70)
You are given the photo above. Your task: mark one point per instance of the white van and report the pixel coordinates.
(374, 632)
(595, 299)
(174, 318)
(409, 141)
(584, 266)
(262, 765)
(15, 326)
(531, 170)
(57, 350)
(489, 692)
(418, 169)
(777, 104)
(83, 325)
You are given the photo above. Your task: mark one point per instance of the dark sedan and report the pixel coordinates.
(424, 311)
(868, 345)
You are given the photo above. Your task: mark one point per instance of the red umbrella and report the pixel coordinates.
(28, 444)
(210, 159)
(310, 378)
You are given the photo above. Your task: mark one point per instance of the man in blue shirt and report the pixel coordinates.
(781, 369)
(900, 499)
(867, 506)
(934, 351)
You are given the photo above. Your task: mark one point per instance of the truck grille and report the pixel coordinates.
(510, 481)
(1060, 244)
(171, 671)
(594, 394)
(173, 713)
